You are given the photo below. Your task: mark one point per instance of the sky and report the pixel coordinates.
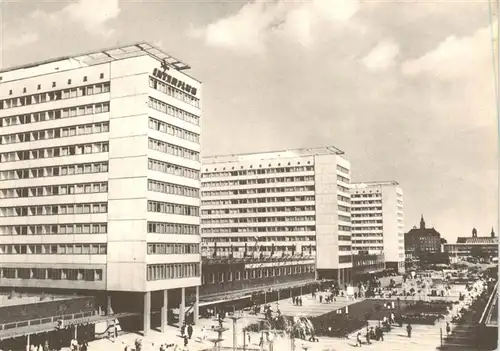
(405, 89)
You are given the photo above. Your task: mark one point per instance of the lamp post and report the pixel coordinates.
(235, 319)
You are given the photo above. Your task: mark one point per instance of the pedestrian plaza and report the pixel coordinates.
(424, 337)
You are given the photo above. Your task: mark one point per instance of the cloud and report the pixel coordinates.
(19, 40)
(382, 57)
(455, 56)
(93, 15)
(256, 23)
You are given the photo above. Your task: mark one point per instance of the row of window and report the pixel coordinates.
(342, 169)
(173, 228)
(261, 200)
(286, 189)
(221, 277)
(267, 229)
(173, 249)
(54, 249)
(344, 218)
(89, 275)
(344, 208)
(170, 208)
(344, 238)
(170, 168)
(367, 235)
(357, 242)
(344, 248)
(174, 189)
(52, 210)
(172, 149)
(59, 151)
(257, 219)
(172, 271)
(39, 87)
(343, 188)
(344, 228)
(55, 229)
(173, 92)
(252, 240)
(55, 114)
(356, 195)
(369, 248)
(366, 221)
(366, 228)
(257, 210)
(52, 190)
(55, 133)
(364, 209)
(344, 180)
(257, 181)
(252, 172)
(361, 202)
(343, 198)
(173, 111)
(166, 128)
(54, 171)
(55, 95)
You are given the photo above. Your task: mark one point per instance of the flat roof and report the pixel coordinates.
(381, 182)
(265, 155)
(112, 54)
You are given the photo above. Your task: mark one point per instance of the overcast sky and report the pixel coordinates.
(404, 88)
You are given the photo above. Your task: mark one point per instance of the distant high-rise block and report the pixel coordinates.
(281, 204)
(377, 213)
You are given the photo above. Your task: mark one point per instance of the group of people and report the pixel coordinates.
(186, 333)
(297, 300)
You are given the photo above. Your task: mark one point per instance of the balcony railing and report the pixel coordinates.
(47, 320)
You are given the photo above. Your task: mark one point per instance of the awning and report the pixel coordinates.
(208, 303)
(236, 295)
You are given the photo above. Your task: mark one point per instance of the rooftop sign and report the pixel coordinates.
(176, 83)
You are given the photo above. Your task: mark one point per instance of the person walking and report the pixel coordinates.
(190, 331)
(358, 340)
(408, 330)
(448, 328)
(368, 336)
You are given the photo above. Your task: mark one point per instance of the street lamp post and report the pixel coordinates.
(235, 339)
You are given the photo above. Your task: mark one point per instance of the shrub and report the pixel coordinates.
(419, 318)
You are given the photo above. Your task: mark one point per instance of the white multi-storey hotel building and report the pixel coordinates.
(99, 177)
(377, 212)
(279, 204)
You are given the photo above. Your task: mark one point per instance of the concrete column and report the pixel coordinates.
(164, 311)
(182, 307)
(147, 312)
(196, 305)
(28, 343)
(109, 309)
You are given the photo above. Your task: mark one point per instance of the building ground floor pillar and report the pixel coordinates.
(164, 311)
(147, 312)
(182, 307)
(109, 309)
(196, 307)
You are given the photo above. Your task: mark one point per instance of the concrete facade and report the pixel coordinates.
(99, 185)
(378, 221)
(292, 203)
